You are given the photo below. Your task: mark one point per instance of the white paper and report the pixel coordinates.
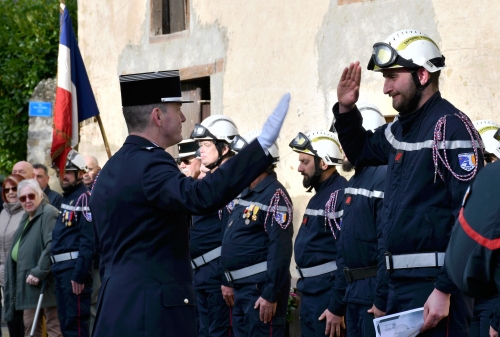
(402, 324)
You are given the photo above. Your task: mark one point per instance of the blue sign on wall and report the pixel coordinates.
(40, 109)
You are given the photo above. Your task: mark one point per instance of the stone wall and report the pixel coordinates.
(40, 130)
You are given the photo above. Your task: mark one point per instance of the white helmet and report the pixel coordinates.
(372, 117)
(215, 127)
(75, 162)
(487, 130)
(407, 48)
(322, 144)
(240, 142)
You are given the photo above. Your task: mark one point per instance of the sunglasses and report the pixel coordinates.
(30, 196)
(185, 161)
(13, 189)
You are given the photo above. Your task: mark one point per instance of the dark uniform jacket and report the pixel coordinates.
(141, 205)
(206, 235)
(361, 244)
(73, 233)
(419, 207)
(258, 241)
(55, 198)
(315, 243)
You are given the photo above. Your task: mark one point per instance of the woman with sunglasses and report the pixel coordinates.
(28, 263)
(9, 221)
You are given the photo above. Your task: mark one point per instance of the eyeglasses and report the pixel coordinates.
(185, 161)
(302, 143)
(30, 196)
(13, 189)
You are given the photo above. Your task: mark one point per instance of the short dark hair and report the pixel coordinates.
(41, 166)
(137, 116)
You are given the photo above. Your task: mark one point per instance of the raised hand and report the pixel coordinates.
(348, 87)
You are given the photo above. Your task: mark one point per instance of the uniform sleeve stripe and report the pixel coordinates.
(321, 212)
(262, 207)
(485, 242)
(364, 192)
(405, 146)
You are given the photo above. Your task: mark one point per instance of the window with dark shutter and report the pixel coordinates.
(168, 16)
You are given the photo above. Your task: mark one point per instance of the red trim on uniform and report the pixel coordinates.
(79, 330)
(485, 242)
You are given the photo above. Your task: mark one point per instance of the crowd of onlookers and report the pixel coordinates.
(28, 215)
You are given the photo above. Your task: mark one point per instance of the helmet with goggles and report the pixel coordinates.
(322, 144)
(488, 131)
(407, 48)
(75, 162)
(239, 142)
(372, 117)
(215, 127)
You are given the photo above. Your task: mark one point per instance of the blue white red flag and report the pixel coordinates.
(75, 101)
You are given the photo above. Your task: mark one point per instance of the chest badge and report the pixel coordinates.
(304, 220)
(348, 200)
(398, 159)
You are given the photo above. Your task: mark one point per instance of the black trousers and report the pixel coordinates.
(73, 310)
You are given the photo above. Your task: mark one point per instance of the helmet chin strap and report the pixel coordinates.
(219, 160)
(416, 80)
(317, 174)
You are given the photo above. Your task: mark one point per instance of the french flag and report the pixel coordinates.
(75, 101)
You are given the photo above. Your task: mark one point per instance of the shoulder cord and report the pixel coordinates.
(330, 209)
(440, 137)
(83, 200)
(273, 208)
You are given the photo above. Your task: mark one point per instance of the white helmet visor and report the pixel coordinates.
(201, 132)
(302, 143)
(238, 143)
(384, 56)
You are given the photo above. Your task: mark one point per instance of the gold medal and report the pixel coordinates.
(69, 223)
(249, 211)
(255, 212)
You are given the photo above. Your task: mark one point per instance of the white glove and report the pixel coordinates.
(272, 126)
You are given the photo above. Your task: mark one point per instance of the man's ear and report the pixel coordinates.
(323, 165)
(423, 76)
(156, 116)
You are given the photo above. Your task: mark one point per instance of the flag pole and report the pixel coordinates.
(104, 138)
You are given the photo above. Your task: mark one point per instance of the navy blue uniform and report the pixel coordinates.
(73, 233)
(316, 245)
(250, 241)
(213, 312)
(419, 206)
(55, 198)
(361, 246)
(141, 206)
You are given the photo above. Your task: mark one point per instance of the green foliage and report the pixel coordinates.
(29, 41)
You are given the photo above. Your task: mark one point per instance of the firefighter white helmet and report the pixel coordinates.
(372, 117)
(322, 144)
(407, 48)
(215, 127)
(75, 162)
(240, 142)
(487, 130)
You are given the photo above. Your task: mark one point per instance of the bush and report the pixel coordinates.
(29, 40)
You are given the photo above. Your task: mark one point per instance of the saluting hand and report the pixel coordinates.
(228, 294)
(267, 309)
(348, 87)
(334, 323)
(436, 308)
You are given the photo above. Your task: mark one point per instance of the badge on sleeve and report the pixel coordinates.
(467, 161)
(280, 217)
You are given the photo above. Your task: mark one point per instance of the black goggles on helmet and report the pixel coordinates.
(238, 143)
(302, 143)
(497, 135)
(200, 131)
(384, 56)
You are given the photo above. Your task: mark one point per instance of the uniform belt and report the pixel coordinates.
(64, 257)
(317, 270)
(206, 258)
(352, 275)
(245, 272)
(418, 260)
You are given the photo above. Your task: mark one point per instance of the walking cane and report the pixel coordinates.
(38, 307)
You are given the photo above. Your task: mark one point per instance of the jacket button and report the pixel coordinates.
(186, 301)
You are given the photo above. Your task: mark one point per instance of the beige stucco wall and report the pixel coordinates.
(271, 47)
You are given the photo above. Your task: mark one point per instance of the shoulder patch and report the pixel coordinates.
(467, 161)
